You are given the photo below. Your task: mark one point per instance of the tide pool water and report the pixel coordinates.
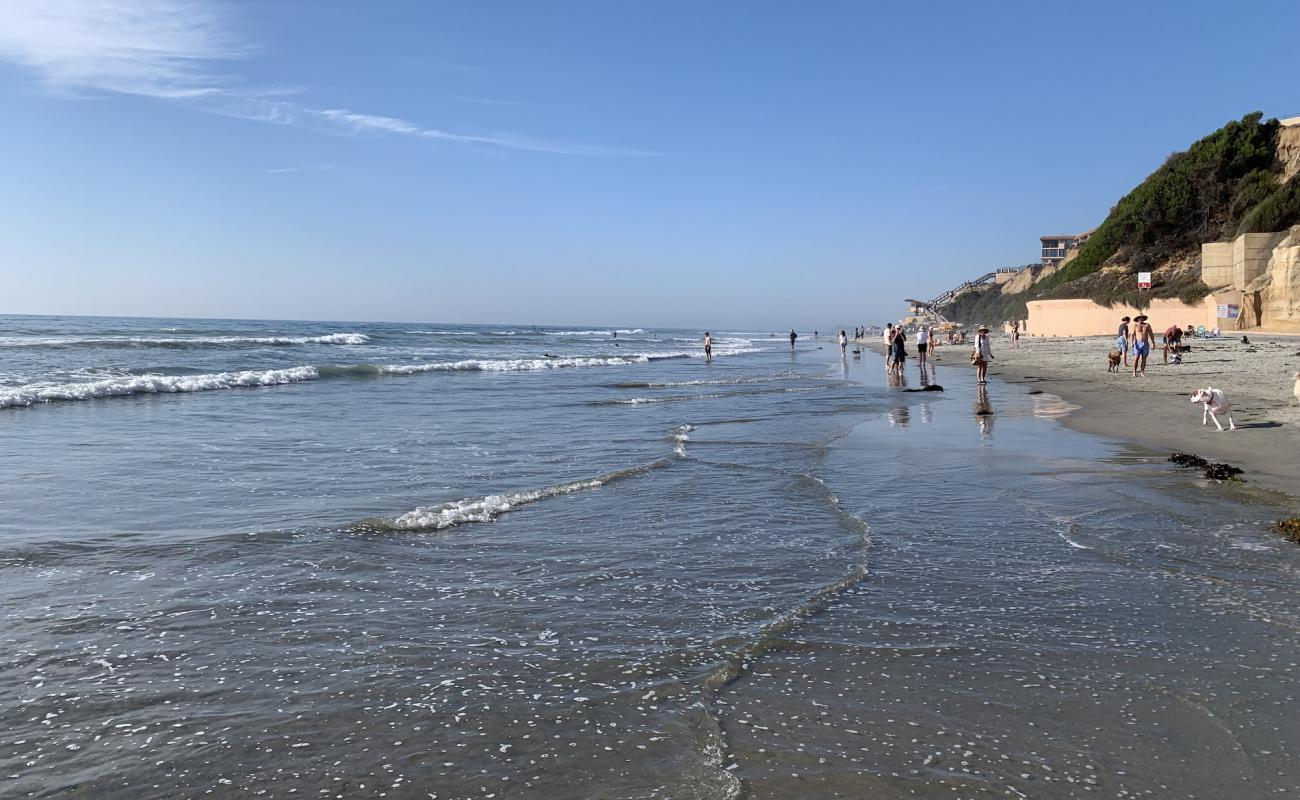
(289, 559)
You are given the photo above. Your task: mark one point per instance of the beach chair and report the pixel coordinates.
(1200, 331)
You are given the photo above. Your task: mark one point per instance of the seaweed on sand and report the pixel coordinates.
(1213, 470)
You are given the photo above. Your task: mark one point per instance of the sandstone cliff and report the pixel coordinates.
(1288, 152)
(1280, 297)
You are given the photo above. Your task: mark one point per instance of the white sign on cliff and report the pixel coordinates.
(1144, 280)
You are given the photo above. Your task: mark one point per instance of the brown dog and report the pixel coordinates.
(1114, 359)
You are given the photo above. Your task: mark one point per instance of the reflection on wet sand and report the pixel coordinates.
(983, 410)
(1049, 406)
(899, 417)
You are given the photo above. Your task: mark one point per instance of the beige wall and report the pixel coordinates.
(1086, 318)
(1217, 264)
(1250, 255)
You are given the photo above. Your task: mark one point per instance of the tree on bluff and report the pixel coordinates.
(1206, 193)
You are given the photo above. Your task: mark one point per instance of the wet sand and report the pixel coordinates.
(1154, 411)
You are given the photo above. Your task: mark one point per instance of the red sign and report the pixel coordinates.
(1144, 280)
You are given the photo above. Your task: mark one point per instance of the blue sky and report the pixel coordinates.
(703, 164)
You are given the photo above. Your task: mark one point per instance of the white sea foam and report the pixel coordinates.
(620, 331)
(179, 341)
(489, 507)
(679, 436)
(650, 401)
(509, 364)
(483, 509)
(151, 384)
(1073, 543)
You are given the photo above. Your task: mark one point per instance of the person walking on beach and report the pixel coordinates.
(1015, 334)
(889, 345)
(1143, 338)
(793, 336)
(844, 342)
(922, 345)
(982, 354)
(1121, 339)
(708, 346)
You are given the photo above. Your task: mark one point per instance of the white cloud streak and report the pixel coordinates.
(154, 48)
(167, 49)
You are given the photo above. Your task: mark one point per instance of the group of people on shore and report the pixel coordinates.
(896, 349)
(1137, 337)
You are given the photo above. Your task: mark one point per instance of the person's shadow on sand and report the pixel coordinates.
(1259, 425)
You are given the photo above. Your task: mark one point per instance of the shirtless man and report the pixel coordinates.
(1143, 338)
(708, 345)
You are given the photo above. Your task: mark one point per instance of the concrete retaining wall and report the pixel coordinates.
(1250, 255)
(1217, 264)
(1086, 318)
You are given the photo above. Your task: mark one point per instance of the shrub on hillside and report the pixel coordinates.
(1195, 196)
(1278, 211)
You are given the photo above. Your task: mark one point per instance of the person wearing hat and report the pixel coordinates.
(982, 354)
(1121, 339)
(1143, 339)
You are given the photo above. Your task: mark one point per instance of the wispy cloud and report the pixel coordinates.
(171, 50)
(155, 48)
(290, 170)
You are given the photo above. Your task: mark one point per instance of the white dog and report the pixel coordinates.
(1297, 386)
(1215, 403)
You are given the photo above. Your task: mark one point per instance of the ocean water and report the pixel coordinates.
(289, 559)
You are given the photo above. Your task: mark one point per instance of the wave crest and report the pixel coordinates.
(24, 396)
(488, 507)
(183, 342)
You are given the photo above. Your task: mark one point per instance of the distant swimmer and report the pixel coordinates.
(793, 336)
(708, 345)
(548, 355)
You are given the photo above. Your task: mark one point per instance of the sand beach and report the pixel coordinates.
(1154, 410)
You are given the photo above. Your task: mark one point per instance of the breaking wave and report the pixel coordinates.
(125, 386)
(183, 342)
(128, 385)
(679, 436)
(489, 507)
(620, 331)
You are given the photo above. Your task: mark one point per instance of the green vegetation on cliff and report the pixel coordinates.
(1223, 185)
(1201, 195)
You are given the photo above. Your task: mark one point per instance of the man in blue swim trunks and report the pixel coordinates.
(1121, 339)
(1143, 338)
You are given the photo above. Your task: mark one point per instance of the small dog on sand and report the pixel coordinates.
(1114, 358)
(1215, 403)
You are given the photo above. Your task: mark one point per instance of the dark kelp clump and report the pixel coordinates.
(1213, 470)
(1288, 529)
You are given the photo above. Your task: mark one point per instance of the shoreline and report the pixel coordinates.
(1155, 411)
